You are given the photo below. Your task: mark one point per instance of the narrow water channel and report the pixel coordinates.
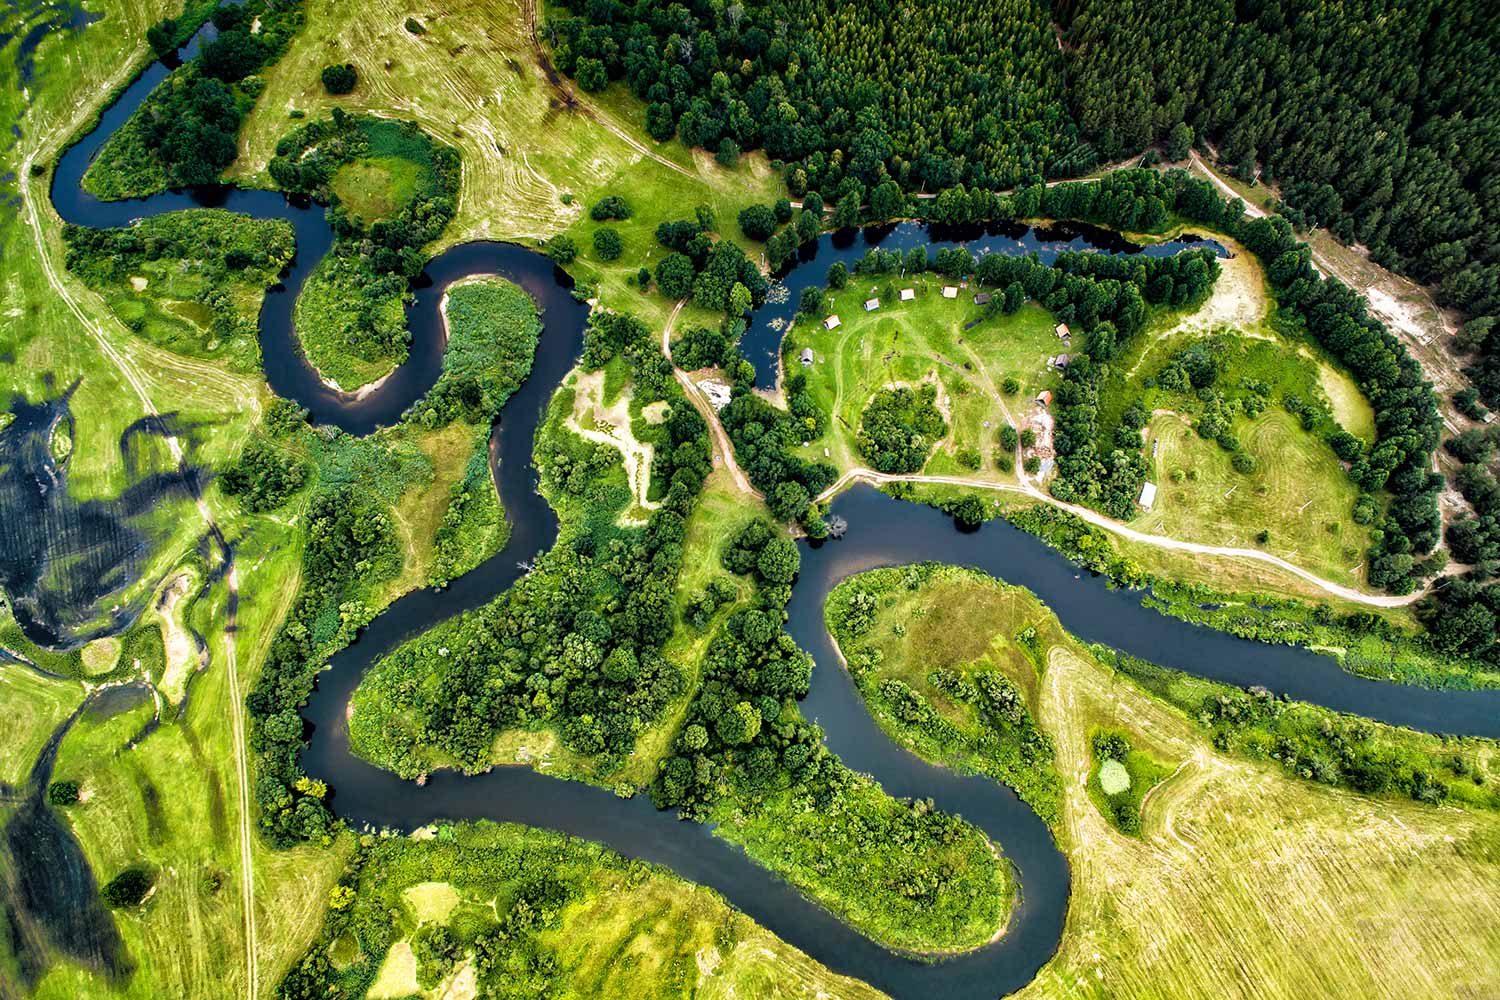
(882, 532)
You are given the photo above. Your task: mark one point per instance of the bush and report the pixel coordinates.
(1242, 462)
(339, 79)
(607, 244)
(1009, 438)
(415, 27)
(810, 301)
(127, 888)
(1010, 386)
(728, 154)
(62, 793)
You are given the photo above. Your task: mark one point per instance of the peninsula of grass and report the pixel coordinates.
(390, 191)
(928, 648)
(492, 329)
(191, 282)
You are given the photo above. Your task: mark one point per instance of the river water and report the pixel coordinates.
(882, 532)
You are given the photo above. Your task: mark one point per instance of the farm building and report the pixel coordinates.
(807, 356)
(831, 323)
(907, 294)
(1063, 332)
(871, 305)
(950, 292)
(1148, 495)
(1044, 398)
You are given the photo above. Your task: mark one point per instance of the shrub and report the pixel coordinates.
(607, 244)
(1242, 462)
(728, 154)
(415, 27)
(1010, 386)
(1032, 464)
(1028, 438)
(810, 301)
(339, 79)
(1009, 438)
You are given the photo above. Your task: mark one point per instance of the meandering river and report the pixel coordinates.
(882, 532)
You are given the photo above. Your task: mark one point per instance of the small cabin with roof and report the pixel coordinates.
(871, 305)
(831, 323)
(1148, 495)
(1044, 398)
(983, 298)
(950, 292)
(907, 294)
(1063, 332)
(807, 356)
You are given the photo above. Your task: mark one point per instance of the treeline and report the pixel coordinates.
(187, 131)
(926, 93)
(1462, 616)
(576, 643)
(1318, 745)
(715, 274)
(1373, 118)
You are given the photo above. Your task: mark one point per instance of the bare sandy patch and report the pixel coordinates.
(610, 425)
(139, 282)
(181, 648)
(464, 985)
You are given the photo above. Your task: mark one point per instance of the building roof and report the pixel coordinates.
(981, 298)
(871, 305)
(1148, 495)
(907, 294)
(831, 322)
(1044, 397)
(1062, 330)
(950, 292)
(807, 355)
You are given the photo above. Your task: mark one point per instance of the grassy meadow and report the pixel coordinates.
(928, 338)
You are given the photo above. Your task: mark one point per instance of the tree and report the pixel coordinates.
(591, 75)
(810, 300)
(779, 560)
(162, 37)
(1008, 437)
(838, 275)
(62, 793)
(607, 243)
(782, 210)
(674, 276)
(562, 249)
(1010, 386)
(757, 222)
(1180, 142)
(728, 153)
(339, 78)
(611, 206)
(739, 725)
(969, 511)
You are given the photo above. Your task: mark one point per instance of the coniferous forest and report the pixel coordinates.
(1376, 120)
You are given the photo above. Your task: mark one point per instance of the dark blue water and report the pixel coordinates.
(761, 343)
(882, 532)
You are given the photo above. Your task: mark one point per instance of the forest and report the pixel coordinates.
(1370, 116)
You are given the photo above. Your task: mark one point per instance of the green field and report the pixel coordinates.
(923, 339)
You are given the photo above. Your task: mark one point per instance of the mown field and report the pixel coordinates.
(1246, 881)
